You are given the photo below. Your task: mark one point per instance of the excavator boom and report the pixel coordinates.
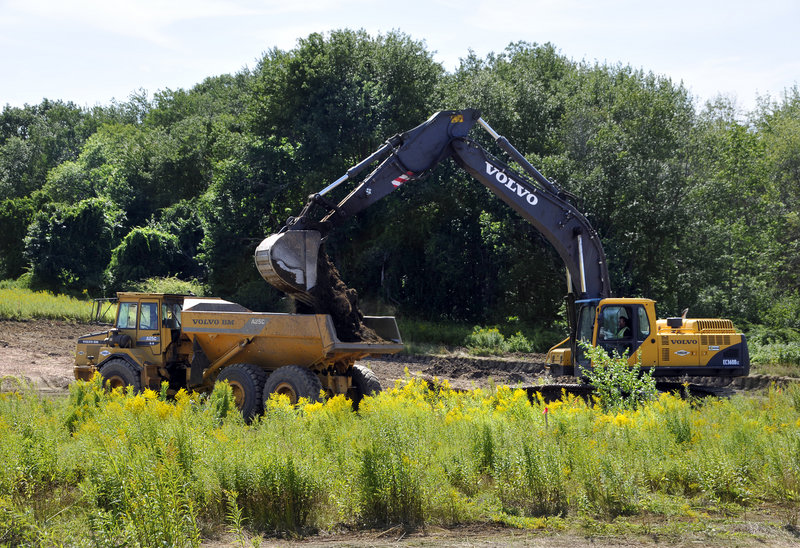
(288, 260)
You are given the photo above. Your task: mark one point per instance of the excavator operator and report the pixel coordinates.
(624, 330)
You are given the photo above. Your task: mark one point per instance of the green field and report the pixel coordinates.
(123, 469)
(24, 304)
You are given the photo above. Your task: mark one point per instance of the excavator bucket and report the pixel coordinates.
(288, 261)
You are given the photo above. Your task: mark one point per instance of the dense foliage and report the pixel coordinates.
(696, 205)
(113, 469)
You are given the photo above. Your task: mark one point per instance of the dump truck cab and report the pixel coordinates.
(668, 347)
(145, 334)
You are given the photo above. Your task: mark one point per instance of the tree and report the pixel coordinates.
(69, 246)
(35, 139)
(182, 220)
(69, 182)
(319, 109)
(145, 253)
(238, 210)
(731, 217)
(626, 137)
(336, 99)
(15, 215)
(778, 124)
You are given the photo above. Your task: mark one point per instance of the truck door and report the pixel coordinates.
(645, 341)
(149, 331)
(585, 331)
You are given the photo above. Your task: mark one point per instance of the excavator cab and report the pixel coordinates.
(620, 326)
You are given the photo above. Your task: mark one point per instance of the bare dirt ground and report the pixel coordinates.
(42, 352)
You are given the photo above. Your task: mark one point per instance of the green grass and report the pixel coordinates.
(24, 304)
(774, 351)
(505, 338)
(434, 333)
(787, 354)
(129, 469)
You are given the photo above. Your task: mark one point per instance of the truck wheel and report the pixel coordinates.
(118, 373)
(365, 383)
(295, 382)
(247, 383)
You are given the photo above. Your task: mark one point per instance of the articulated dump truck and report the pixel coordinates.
(191, 342)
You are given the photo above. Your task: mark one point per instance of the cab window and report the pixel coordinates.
(148, 318)
(126, 319)
(171, 315)
(615, 323)
(644, 324)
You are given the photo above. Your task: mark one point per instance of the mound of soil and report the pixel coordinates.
(333, 297)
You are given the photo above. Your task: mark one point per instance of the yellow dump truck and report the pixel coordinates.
(192, 342)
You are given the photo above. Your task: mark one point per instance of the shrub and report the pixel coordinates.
(518, 343)
(169, 284)
(68, 245)
(485, 340)
(775, 353)
(489, 340)
(145, 253)
(617, 385)
(15, 215)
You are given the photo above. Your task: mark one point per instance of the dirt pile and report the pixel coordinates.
(332, 296)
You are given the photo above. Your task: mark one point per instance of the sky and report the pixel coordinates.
(91, 52)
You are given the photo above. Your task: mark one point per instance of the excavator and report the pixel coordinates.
(672, 347)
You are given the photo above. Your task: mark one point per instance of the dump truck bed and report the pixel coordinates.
(272, 340)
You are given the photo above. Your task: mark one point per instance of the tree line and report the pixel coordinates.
(696, 206)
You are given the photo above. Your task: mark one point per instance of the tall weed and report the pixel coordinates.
(24, 304)
(149, 470)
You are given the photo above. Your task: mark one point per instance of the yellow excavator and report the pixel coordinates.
(289, 260)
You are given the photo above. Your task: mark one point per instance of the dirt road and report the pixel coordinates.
(42, 352)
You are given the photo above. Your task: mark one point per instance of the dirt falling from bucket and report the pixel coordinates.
(332, 296)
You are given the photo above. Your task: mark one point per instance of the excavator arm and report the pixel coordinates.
(288, 260)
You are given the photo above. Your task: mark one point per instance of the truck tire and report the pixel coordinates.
(118, 373)
(365, 383)
(295, 382)
(247, 383)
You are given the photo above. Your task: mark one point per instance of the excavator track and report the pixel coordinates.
(527, 373)
(693, 387)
